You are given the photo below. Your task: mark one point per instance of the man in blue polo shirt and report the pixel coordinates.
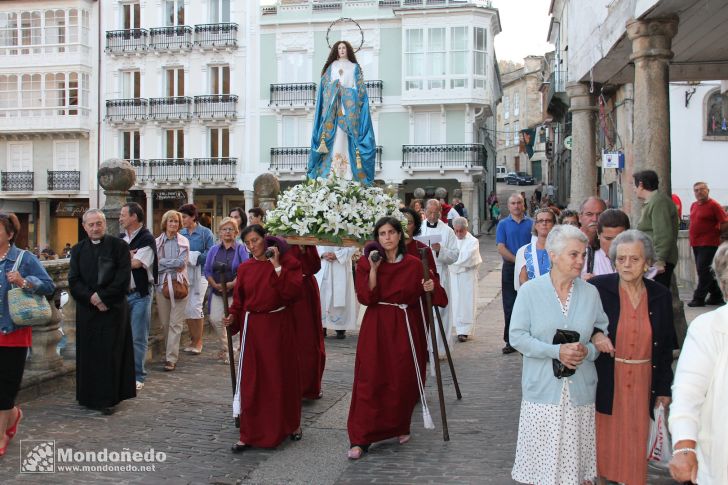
(512, 232)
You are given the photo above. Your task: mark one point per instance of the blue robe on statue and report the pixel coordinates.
(343, 125)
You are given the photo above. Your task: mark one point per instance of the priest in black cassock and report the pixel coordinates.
(99, 282)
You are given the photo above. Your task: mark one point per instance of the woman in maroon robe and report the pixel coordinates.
(387, 380)
(268, 398)
(309, 332)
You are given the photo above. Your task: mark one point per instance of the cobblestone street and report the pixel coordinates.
(187, 415)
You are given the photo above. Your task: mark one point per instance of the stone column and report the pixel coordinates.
(190, 195)
(583, 164)
(249, 199)
(470, 204)
(44, 220)
(46, 337)
(266, 188)
(651, 54)
(149, 194)
(116, 176)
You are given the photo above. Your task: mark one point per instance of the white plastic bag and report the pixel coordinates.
(659, 450)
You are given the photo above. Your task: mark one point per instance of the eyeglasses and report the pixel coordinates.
(544, 221)
(227, 229)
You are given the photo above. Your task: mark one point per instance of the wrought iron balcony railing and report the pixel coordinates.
(141, 168)
(214, 36)
(295, 159)
(16, 181)
(289, 159)
(374, 90)
(292, 94)
(129, 40)
(169, 170)
(441, 157)
(221, 169)
(69, 180)
(216, 106)
(326, 5)
(172, 108)
(127, 110)
(177, 37)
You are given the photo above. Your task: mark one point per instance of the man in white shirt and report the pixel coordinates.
(445, 253)
(143, 253)
(339, 306)
(464, 279)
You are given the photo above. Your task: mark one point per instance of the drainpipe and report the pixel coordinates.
(98, 107)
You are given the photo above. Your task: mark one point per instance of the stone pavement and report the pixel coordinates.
(187, 415)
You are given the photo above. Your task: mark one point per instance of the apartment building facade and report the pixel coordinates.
(432, 81)
(48, 117)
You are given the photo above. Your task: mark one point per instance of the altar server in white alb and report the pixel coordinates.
(445, 253)
(464, 279)
(339, 306)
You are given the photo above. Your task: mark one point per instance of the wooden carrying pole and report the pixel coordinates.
(433, 335)
(226, 311)
(447, 352)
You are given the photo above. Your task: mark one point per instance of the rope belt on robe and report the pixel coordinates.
(430, 353)
(421, 388)
(236, 399)
(632, 361)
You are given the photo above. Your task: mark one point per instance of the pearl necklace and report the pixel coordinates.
(4, 255)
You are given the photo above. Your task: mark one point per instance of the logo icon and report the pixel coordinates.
(37, 456)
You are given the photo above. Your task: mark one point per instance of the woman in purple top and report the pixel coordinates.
(231, 253)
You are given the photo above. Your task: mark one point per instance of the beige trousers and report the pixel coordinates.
(216, 316)
(172, 319)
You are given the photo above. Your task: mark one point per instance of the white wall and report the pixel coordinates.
(694, 159)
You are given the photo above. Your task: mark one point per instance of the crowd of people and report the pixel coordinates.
(587, 303)
(277, 300)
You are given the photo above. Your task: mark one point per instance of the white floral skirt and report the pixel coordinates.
(556, 443)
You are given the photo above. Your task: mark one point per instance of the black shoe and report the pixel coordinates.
(297, 436)
(462, 338)
(696, 303)
(238, 448)
(715, 301)
(508, 349)
(341, 334)
(325, 333)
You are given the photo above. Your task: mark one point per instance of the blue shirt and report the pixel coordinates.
(201, 240)
(536, 317)
(30, 269)
(514, 234)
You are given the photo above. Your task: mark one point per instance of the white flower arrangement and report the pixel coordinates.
(331, 210)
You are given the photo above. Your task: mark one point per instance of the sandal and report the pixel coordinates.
(404, 439)
(169, 366)
(14, 428)
(239, 447)
(356, 451)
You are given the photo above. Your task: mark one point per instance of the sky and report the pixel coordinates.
(524, 25)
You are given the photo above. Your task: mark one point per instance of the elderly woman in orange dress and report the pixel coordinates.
(634, 370)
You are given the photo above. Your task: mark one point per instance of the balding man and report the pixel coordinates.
(512, 232)
(589, 213)
(707, 221)
(445, 253)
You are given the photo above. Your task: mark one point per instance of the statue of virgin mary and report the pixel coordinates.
(342, 142)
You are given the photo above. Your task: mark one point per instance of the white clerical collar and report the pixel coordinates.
(95, 241)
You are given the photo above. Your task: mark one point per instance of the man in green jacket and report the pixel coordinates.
(659, 220)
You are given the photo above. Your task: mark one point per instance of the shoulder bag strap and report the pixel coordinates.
(18, 262)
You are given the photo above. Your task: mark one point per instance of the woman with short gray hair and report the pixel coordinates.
(634, 368)
(554, 318)
(700, 392)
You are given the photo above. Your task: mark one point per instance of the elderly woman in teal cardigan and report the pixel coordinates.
(556, 436)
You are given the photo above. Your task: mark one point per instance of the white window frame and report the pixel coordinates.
(432, 121)
(61, 159)
(134, 12)
(178, 137)
(516, 104)
(217, 11)
(175, 21)
(174, 89)
(480, 55)
(218, 75)
(131, 83)
(25, 163)
(294, 131)
(516, 133)
(507, 130)
(506, 108)
(132, 138)
(458, 81)
(221, 136)
(302, 73)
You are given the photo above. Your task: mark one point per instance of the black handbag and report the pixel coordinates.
(564, 337)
